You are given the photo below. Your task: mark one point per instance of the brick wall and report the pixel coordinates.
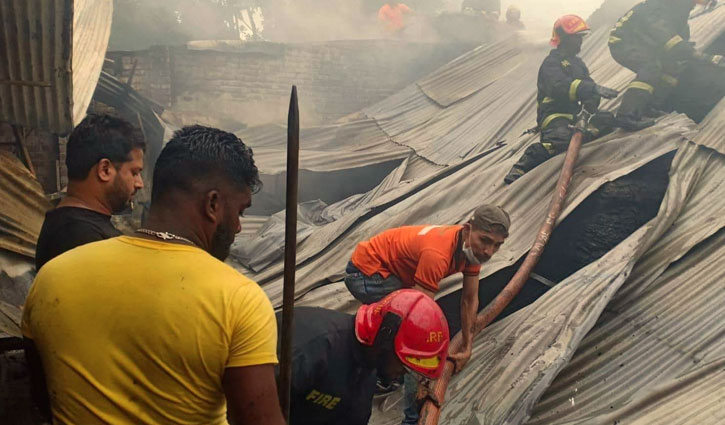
(249, 83)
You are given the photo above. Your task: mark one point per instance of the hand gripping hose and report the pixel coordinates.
(430, 412)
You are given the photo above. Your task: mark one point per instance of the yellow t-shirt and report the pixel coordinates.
(133, 331)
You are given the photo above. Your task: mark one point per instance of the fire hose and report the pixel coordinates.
(430, 412)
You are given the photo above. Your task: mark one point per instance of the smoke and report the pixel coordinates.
(140, 24)
(540, 15)
(325, 20)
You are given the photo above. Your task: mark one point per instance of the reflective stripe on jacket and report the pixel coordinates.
(563, 83)
(660, 26)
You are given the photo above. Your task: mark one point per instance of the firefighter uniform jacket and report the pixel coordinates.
(659, 27)
(564, 84)
(332, 383)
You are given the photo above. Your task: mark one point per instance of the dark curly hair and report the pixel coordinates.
(197, 153)
(100, 137)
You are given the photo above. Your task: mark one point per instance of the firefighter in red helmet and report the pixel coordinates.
(564, 87)
(337, 357)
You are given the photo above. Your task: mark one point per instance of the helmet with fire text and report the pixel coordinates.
(420, 329)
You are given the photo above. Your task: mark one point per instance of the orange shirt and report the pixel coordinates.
(392, 16)
(417, 255)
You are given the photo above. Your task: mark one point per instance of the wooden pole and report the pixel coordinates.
(290, 253)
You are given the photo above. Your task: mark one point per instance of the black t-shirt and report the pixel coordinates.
(68, 227)
(332, 384)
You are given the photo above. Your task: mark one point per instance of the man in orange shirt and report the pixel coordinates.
(392, 16)
(419, 257)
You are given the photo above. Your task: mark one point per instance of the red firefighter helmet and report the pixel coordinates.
(568, 25)
(421, 342)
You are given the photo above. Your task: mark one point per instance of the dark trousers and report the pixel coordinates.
(657, 77)
(555, 139)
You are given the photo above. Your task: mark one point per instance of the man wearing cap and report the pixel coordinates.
(420, 257)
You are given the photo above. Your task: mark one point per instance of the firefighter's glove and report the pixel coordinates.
(591, 105)
(600, 124)
(605, 92)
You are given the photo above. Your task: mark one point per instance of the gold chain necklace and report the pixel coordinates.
(164, 235)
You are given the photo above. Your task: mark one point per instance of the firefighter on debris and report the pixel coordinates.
(513, 18)
(336, 357)
(653, 40)
(565, 87)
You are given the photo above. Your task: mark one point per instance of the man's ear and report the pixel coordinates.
(467, 227)
(105, 170)
(212, 206)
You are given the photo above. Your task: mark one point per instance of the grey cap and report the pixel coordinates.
(487, 216)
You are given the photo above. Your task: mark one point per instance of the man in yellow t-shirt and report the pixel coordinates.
(155, 329)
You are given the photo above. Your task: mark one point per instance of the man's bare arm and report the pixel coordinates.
(251, 394)
(38, 388)
(469, 309)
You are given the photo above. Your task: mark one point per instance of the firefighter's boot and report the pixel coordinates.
(534, 155)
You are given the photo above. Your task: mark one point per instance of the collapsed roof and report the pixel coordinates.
(632, 336)
(52, 57)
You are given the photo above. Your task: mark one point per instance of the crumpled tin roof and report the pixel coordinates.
(23, 206)
(635, 337)
(52, 54)
(324, 148)
(633, 346)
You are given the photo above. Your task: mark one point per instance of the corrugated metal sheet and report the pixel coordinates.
(258, 250)
(142, 112)
(711, 131)
(91, 32)
(517, 360)
(16, 276)
(662, 357)
(45, 81)
(10, 317)
(451, 194)
(23, 206)
(403, 111)
(472, 72)
(707, 27)
(325, 148)
(497, 111)
(480, 116)
(488, 95)
(274, 161)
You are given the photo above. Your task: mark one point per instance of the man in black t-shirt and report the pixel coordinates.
(104, 159)
(336, 357)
